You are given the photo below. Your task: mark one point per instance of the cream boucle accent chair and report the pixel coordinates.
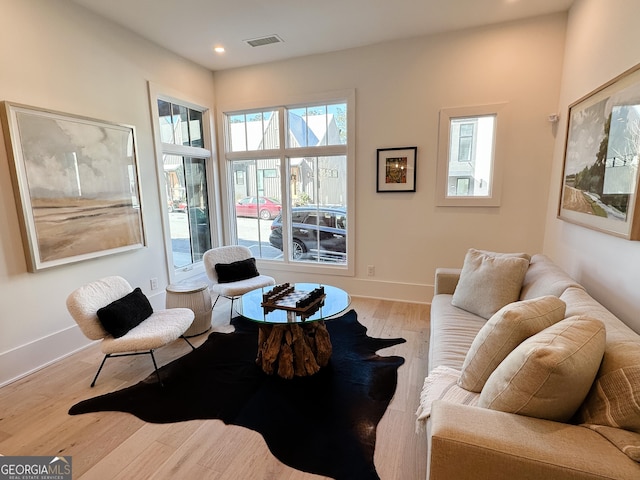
(158, 330)
(231, 290)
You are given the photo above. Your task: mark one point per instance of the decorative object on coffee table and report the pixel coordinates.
(296, 302)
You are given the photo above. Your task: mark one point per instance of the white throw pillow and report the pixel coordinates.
(503, 332)
(489, 281)
(548, 375)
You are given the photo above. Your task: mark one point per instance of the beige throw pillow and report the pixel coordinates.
(503, 332)
(548, 375)
(489, 281)
(614, 399)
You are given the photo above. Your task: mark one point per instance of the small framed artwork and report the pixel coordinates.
(76, 186)
(396, 170)
(600, 176)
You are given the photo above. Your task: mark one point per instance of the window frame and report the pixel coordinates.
(207, 152)
(284, 153)
(499, 111)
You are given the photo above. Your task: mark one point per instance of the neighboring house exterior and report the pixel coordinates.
(311, 130)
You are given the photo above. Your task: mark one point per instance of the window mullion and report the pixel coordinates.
(254, 154)
(328, 151)
(185, 150)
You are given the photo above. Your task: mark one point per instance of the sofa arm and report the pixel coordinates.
(476, 443)
(446, 280)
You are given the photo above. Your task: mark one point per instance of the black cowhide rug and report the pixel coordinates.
(323, 424)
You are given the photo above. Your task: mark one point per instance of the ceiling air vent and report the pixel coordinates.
(268, 40)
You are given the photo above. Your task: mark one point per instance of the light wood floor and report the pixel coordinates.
(112, 445)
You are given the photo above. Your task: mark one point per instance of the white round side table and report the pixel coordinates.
(195, 297)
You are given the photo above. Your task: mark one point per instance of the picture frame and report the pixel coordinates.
(396, 169)
(75, 181)
(602, 149)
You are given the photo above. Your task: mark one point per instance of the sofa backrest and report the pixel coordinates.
(579, 302)
(544, 277)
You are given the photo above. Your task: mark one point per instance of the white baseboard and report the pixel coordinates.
(399, 292)
(26, 359)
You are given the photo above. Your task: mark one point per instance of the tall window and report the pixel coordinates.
(289, 182)
(185, 182)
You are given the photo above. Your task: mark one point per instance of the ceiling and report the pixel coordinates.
(192, 28)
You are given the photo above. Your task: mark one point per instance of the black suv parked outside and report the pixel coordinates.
(318, 233)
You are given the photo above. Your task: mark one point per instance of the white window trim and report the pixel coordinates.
(347, 96)
(500, 111)
(157, 92)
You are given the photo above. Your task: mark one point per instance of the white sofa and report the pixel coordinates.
(470, 442)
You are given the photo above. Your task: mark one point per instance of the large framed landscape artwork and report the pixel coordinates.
(76, 185)
(600, 177)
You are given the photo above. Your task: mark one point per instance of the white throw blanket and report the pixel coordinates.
(441, 384)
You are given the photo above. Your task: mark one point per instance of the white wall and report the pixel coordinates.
(602, 42)
(400, 88)
(58, 56)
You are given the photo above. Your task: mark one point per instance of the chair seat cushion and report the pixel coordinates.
(125, 313)
(236, 271)
(235, 289)
(162, 327)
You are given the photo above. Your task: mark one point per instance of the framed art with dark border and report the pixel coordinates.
(600, 175)
(76, 186)
(396, 170)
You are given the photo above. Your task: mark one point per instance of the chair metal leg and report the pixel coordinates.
(100, 369)
(230, 311)
(150, 352)
(214, 303)
(156, 367)
(187, 340)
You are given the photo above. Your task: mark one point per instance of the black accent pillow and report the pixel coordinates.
(127, 312)
(236, 271)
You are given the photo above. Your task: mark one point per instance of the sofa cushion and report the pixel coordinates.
(503, 332)
(579, 302)
(545, 278)
(614, 399)
(452, 333)
(626, 441)
(489, 281)
(125, 313)
(548, 375)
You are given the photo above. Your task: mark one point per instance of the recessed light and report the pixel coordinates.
(218, 49)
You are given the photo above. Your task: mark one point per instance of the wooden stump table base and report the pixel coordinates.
(293, 349)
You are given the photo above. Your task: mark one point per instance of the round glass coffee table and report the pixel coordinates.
(289, 343)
